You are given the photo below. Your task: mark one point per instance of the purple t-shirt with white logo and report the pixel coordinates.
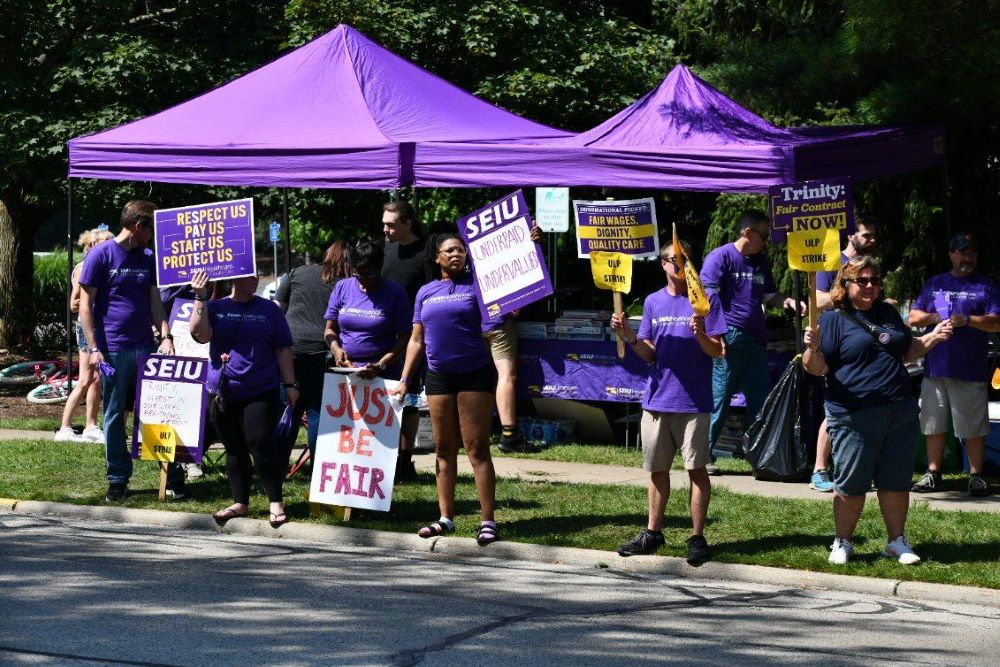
(964, 356)
(251, 344)
(369, 321)
(825, 279)
(741, 282)
(123, 278)
(453, 326)
(681, 377)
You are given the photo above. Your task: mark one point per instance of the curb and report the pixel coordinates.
(536, 553)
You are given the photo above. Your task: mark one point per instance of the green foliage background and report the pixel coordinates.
(73, 67)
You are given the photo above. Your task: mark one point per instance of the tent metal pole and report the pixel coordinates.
(947, 198)
(288, 235)
(69, 285)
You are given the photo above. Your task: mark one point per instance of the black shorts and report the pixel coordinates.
(480, 379)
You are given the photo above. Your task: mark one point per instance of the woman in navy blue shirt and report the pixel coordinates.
(871, 413)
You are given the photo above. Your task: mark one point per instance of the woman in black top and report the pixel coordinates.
(303, 296)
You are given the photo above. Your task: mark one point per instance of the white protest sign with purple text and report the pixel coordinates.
(216, 237)
(180, 328)
(171, 391)
(509, 267)
(355, 464)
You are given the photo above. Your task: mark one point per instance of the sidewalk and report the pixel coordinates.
(589, 473)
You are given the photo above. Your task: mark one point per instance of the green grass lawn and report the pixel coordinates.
(611, 455)
(31, 423)
(957, 547)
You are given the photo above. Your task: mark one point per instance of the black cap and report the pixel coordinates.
(961, 241)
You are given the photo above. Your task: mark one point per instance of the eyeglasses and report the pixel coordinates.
(866, 282)
(452, 251)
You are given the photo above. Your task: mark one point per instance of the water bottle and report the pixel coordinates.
(411, 400)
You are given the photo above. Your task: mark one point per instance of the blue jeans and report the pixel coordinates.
(118, 394)
(744, 368)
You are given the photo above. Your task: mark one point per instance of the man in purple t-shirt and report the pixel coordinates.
(739, 273)
(956, 372)
(679, 346)
(119, 305)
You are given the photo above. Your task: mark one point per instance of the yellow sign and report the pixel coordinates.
(696, 291)
(159, 442)
(814, 250)
(612, 270)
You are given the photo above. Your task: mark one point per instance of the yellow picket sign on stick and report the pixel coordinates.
(696, 291)
(612, 271)
(159, 443)
(814, 250)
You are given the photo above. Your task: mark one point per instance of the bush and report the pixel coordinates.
(50, 288)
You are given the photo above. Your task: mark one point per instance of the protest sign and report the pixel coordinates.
(811, 206)
(171, 392)
(552, 209)
(180, 329)
(509, 267)
(355, 464)
(612, 271)
(627, 226)
(696, 291)
(159, 443)
(216, 237)
(814, 250)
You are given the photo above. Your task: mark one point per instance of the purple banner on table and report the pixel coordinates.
(216, 237)
(509, 267)
(627, 226)
(811, 206)
(171, 390)
(591, 371)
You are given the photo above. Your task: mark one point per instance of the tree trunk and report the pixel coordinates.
(16, 281)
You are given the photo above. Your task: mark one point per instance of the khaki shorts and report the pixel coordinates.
(503, 341)
(965, 402)
(663, 433)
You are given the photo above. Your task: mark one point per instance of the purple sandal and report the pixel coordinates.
(488, 533)
(436, 529)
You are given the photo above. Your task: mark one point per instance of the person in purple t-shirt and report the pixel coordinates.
(679, 345)
(461, 381)
(956, 372)
(119, 305)
(859, 244)
(739, 273)
(368, 322)
(250, 352)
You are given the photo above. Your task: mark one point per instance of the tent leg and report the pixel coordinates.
(69, 285)
(947, 198)
(288, 236)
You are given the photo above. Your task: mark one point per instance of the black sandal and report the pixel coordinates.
(488, 533)
(436, 529)
(222, 516)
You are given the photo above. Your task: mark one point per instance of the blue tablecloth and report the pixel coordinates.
(592, 371)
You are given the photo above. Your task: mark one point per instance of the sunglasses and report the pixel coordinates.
(365, 275)
(146, 223)
(866, 282)
(670, 260)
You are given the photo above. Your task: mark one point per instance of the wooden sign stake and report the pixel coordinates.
(163, 481)
(617, 300)
(813, 310)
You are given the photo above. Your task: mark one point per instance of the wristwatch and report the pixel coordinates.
(290, 385)
(168, 337)
(92, 350)
(200, 298)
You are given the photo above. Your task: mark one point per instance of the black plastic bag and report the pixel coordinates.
(776, 443)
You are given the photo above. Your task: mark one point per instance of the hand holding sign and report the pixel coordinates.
(696, 291)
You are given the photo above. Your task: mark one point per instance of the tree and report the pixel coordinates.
(73, 67)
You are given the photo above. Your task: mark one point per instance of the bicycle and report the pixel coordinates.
(30, 372)
(54, 389)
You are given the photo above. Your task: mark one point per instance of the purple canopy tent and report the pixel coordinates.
(685, 135)
(340, 112)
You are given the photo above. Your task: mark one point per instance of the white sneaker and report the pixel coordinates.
(193, 470)
(92, 434)
(840, 551)
(66, 435)
(901, 550)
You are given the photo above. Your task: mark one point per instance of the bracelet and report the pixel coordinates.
(169, 337)
(290, 385)
(403, 381)
(92, 350)
(200, 298)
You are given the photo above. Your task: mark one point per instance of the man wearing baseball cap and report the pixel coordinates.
(956, 372)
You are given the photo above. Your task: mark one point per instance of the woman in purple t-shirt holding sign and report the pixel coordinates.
(461, 381)
(250, 351)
